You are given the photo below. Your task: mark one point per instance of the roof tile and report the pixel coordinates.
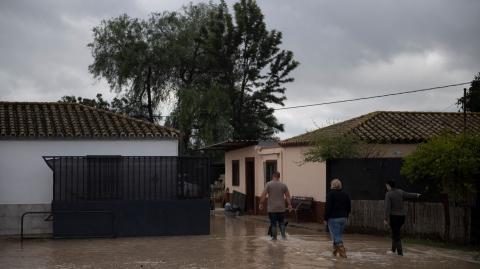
(394, 127)
(71, 120)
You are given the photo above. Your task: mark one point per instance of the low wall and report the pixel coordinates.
(10, 215)
(318, 210)
(423, 219)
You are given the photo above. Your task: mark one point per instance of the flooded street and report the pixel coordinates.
(233, 243)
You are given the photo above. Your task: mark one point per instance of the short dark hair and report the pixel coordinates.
(391, 183)
(276, 174)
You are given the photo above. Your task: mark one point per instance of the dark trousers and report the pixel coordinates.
(396, 223)
(277, 218)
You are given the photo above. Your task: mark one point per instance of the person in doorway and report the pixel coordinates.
(226, 197)
(395, 213)
(337, 210)
(277, 194)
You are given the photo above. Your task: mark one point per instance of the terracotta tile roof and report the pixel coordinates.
(387, 127)
(33, 120)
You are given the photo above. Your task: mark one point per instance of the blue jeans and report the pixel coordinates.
(274, 219)
(336, 227)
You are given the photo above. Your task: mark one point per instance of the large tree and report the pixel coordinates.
(132, 55)
(252, 67)
(234, 71)
(223, 72)
(472, 101)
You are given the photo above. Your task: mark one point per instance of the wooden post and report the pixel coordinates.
(464, 110)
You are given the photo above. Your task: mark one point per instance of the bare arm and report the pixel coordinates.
(289, 199)
(410, 195)
(262, 198)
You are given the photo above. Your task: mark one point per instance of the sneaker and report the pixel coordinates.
(390, 252)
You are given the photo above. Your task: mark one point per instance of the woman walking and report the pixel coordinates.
(395, 213)
(337, 209)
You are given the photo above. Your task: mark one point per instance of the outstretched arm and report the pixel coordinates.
(410, 195)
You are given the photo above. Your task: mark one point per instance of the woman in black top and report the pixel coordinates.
(337, 209)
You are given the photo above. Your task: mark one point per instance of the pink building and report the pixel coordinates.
(249, 164)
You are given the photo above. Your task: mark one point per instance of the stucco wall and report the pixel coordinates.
(240, 155)
(303, 179)
(309, 179)
(393, 150)
(26, 179)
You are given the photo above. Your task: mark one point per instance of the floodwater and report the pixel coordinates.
(233, 243)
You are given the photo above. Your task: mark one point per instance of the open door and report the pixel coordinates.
(250, 185)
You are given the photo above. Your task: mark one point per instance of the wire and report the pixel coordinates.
(375, 96)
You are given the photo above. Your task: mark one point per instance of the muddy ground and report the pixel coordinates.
(233, 243)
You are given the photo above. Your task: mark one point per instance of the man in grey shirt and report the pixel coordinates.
(395, 213)
(277, 194)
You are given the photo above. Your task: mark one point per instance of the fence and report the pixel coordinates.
(129, 195)
(431, 217)
(424, 219)
(128, 178)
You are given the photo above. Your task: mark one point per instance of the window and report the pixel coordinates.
(235, 173)
(270, 167)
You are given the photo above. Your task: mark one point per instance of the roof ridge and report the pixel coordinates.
(122, 115)
(381, 126)
(369, 115)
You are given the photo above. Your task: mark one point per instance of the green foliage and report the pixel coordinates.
(132, 55)
(97, 103)
(122, 105)
(447, 164)
(222, 71)
(326, 147)
(472, 97)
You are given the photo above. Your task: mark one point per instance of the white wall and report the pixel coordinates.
(303, 179)
(25, 178)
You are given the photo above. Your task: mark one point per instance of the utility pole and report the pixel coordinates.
(464, 110)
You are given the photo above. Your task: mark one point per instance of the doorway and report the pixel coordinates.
(250, 185)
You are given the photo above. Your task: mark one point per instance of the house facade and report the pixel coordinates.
(387, 134)
(29, 131)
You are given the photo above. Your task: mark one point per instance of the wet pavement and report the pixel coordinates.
(233, 243)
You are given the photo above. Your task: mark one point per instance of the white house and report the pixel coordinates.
(31, 130)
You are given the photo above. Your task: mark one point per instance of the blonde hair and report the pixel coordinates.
(336, 184)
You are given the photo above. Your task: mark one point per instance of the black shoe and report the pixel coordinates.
(394, 246)
(274, 232)
(282, 231)
(399, 248)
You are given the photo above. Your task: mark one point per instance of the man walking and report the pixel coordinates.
(277, 194)
(395, 213)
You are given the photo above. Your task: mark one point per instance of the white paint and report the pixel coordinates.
(25, 178)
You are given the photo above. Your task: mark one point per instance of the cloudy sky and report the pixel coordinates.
(347, 49)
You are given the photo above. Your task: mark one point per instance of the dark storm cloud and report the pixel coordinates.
(346, 49)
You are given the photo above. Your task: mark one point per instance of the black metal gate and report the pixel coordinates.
(130, 195)
(364, 179)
